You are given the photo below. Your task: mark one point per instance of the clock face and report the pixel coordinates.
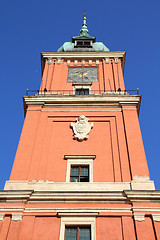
(82, 75)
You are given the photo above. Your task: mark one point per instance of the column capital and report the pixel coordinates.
(139, 217)
(17, 216)
(2, 216)
(156, 217)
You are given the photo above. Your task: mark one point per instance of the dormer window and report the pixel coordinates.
(83, 44)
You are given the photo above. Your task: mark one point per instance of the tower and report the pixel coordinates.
(80, 170)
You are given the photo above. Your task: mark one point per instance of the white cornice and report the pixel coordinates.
(97, 192)
(79, 157)
(146, 209)
(156, 217)
(82, 55)
(11, 209)
(139, 217)
(78, 214)
(80, 211)
(2, 216)
(75, 101)
(79, 188)
(17, 216)
(70, 99)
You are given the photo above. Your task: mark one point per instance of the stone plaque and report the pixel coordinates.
(81, 128)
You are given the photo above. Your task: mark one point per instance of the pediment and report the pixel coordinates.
(83, 37)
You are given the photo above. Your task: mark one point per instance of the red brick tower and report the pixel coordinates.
(80, 170)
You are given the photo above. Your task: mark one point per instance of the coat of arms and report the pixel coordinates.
(81, 128)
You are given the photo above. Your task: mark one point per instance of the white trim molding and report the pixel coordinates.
(142, 183)
(78, 213)
(156, 217)
(10, 209)
(17, 216)
(77, 86)
(139, 217)
(68, 186)
(2, 216)
(79, 160)
(66, 221)
(146, 209)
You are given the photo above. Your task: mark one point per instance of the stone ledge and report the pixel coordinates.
(2, 216)
(156, 217)
(142, 185)
(66, 186)
(89, 99)
(97, 196)
(139, 217)
(17, 216)
(83, 55)
(69, 186)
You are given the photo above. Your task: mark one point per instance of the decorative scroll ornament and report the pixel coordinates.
(81, 128)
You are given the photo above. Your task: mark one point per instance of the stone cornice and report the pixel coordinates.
(110, 198)
(79, 157)
(142, 195)
(82, 55)
(15, 195)
(17, 216)
(69, 100)
(97, 195)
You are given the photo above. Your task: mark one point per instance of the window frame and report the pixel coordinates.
(79, 91)
(78, 227)
(78, 86)
(79, 160)
(79, 172)
(78, 221)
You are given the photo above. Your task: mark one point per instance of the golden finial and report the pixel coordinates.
(84, 16)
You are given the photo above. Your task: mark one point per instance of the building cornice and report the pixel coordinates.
(50, 191)
(66, 55)
(82, 55)
(79, 157)
(80, 196)
(143, 195)
(70, 100)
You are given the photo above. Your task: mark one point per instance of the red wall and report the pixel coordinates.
(109, 227)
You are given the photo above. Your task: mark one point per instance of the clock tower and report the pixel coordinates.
(80, 171)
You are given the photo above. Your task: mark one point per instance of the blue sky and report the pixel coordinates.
(29, 27)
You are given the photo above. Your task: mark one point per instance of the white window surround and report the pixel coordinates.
(82, 85)
(79, 160)
(77, 221)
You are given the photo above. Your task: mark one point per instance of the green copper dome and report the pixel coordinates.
(84, 29)
(83, 42)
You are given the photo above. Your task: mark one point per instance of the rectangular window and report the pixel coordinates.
(79, 44)
(83, 44)
(79, 173)
(78, 233)
(82, 91)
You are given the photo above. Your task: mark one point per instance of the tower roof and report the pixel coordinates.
(84, 32)
(83, 42)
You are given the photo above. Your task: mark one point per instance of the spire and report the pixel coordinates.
(84, 29)
(83, 42)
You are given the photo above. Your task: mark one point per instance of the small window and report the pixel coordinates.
(79, 44)
(82, 91)
(78, 233)
(86, 44)
(79, 173)
(83, 44)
